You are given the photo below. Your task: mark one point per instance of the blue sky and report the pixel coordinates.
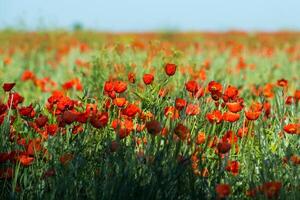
(141, 15)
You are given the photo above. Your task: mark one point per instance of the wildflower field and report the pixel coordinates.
(87, 115)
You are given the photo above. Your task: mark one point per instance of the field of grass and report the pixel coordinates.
(149, 116)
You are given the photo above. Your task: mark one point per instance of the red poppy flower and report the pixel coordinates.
(51, 129)
(14, 99)
(180, 103)
(99, 120)
(123, 128)
(8, 86)
(27, 75)
(192, 86)
(256, 106)
(231, 117)
(34, 146)
(230, 137)
(182, 131)
(112, 94)
(68, 85)
(223, 190)
(131, 110)
(25, 160)
(83, 117)
(271, 189)
(109, 86)
(201, 138)
(170, 111)
(199, 93)
(41, 121)
(27, 111)
(170, 69)
(120, 102)
(292, 128)
(55, 97)
(120, 86)
(148, 78)
(223, 147)
(215, 87)
(69, 117)
(91, 109)
(233, 167)
(282, 83)
(234, 107)
(252, 115)
(290, 100)
(192, 109)
(231, 92)
(214, 116)
(153, 127)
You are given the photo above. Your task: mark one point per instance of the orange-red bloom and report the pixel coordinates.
(180, 103)
(223, 190)
(51, 129)
(41, 121)
(69, 117)
(231, 117)
(131, 110)
(120, 86)
(282, 83)
(14, 100)
(192, 109)
(215, 87)
(153, 127)
(108, 86)
(201, 137)
(25, 160)
(271, 189)
(214, 116)
(148, 79)
(120, 102)
(234, 107)
(223, 147)
(27, 111)
(170, 69)
(99, 120)
(231, 92)
(292, 128)
(182, 131)
(233, 167)
(252, 115)
(192, 86)
(170, 111)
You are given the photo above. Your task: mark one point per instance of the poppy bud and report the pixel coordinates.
(153, 127)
